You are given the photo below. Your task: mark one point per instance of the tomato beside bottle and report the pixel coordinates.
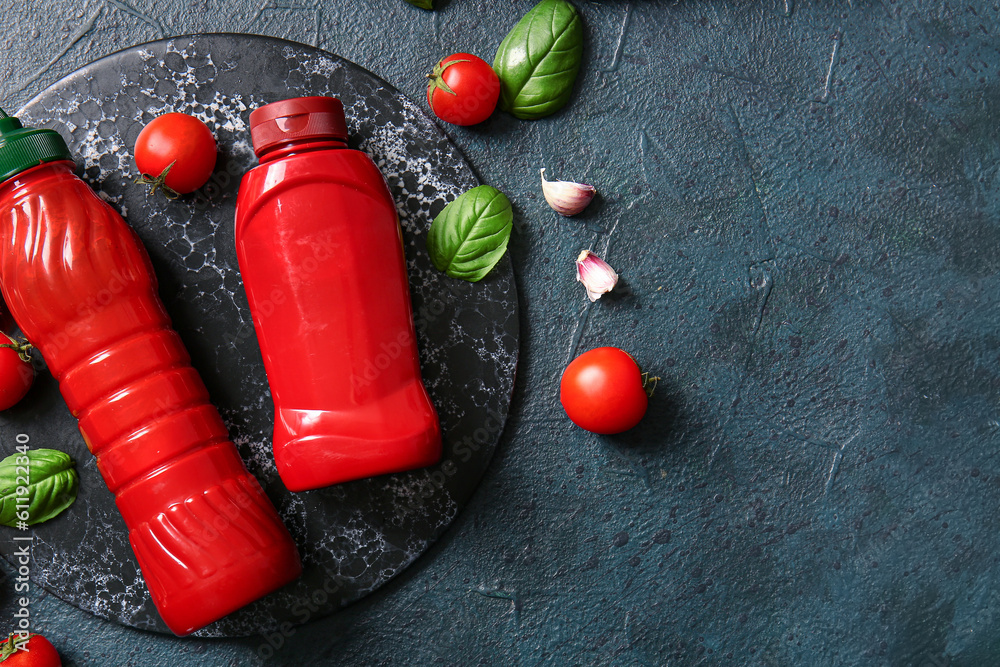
(175, 152)
(463, 89)
(16, 372)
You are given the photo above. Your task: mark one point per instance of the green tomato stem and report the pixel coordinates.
(9, 646)
(22, 347)
(437, 76)
(159, 182)
(649, 384)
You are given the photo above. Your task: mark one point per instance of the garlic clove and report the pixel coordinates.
(595, 274)
(567, 198)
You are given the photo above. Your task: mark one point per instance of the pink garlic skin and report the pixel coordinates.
(596, 275)
(567, 198)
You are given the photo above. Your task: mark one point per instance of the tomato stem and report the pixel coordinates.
(649, 384)
(22, 347)
(159, 182)
(437, 76)
(10, 645)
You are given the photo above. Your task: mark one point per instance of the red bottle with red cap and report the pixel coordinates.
(321, 254)
(80, 286)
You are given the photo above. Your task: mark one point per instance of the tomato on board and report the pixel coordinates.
(36, 652)
(16, 372)
(175, 152)
(463, 89)
(602, 391)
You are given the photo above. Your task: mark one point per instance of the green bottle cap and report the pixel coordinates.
(24, 147)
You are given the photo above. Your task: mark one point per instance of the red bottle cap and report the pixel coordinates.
(296, 119)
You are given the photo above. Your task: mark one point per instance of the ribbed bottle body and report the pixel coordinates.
(80, 285)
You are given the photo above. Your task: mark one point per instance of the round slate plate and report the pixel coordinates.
(353, 537)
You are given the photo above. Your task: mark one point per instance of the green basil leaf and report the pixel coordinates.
(423, 4)
(470, 235)
(47, 481)
(538, 60)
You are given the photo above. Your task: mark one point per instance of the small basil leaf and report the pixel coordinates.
(538, 60)
(470, 235)
(423, 4)
(48, 482)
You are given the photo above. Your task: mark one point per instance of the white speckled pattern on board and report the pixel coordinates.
(352, 537)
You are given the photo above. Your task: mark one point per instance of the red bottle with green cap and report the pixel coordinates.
(321, 254)
(81, 288)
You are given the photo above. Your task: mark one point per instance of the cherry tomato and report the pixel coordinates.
(463, 90)
(36, 652)
(16, 372)
(602, 391)
(176, 152)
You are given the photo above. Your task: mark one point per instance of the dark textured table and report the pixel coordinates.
(803, 201)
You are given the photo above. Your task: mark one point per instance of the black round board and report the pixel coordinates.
(352, 537)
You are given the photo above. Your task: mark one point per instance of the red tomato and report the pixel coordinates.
(16, 372)
(602, 391)
(463, 90)
(36, 652)
(175, 151)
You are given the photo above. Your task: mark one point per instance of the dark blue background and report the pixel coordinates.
(802, 200)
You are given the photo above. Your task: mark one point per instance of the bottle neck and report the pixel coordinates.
(44, 170)
(296, 147)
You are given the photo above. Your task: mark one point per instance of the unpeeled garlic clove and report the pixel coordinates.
(565, 197)
(595, 274)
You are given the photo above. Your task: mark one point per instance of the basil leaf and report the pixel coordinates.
(470, 235)
(423, 4)
(538, 60)
(48, 483)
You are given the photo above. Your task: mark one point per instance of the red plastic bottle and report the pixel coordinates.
(321, 254)
(80, 286)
